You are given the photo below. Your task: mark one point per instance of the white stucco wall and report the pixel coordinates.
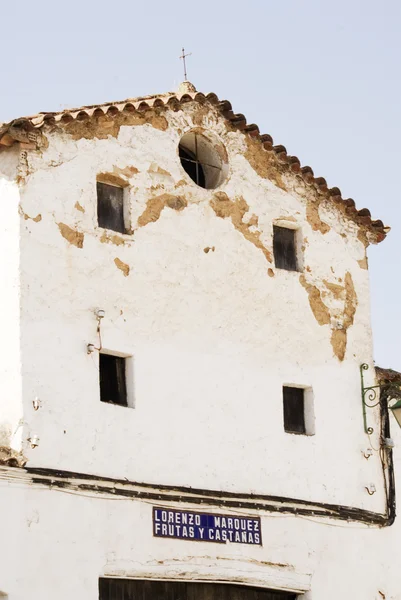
(214, 336)
(65, 542)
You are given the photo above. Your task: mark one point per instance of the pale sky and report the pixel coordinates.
(322, 77)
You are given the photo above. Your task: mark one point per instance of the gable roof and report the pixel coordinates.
(28, 130)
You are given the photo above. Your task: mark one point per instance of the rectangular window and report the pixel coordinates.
(294, 410)
(284, 248)
(110, 207)
(112, 374)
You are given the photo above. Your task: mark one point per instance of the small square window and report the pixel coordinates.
(284, 248)
(294, 410)
(110, 207)
(112, 375)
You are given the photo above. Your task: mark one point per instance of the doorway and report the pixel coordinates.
(136, 589)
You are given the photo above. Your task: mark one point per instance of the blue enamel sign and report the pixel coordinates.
(204, 527)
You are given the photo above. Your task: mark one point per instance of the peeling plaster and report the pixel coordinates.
(76, 238)
(36, 219)
(253, 221)
(180, 183)
(105, 126)
(245, 559)
(338, 291)
(154, 207)
(362, 237)
(122, 266)
(287, 218)
(113, 179)
(313, 217)
(78, 206)
(319, 309)
(263, 162)
(112, 238)
(158, 170)
(236, 209)
(363, 263)
(199, 115)
(339, 336)
(128, 171)
(324, 316)
(155, 188)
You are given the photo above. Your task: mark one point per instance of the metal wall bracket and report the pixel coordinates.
(370, 397)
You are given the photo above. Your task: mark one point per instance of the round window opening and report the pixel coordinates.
(204, 159)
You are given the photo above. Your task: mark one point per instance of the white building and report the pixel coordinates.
(185, 312)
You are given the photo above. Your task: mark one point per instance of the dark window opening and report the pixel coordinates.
(294, 410)
(110, 207)
(136, 589)
(192, 166)
(284, 248)
(201, 160)
(113, 386)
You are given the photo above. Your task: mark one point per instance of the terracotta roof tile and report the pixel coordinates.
(388, 375)
(25, 128)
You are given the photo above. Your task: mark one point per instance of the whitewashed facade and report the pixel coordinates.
(212, 331)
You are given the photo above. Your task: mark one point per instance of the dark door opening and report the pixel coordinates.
(136, 589)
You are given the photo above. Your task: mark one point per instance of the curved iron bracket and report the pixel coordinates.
(370, 397)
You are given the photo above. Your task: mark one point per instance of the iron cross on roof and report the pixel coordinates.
(183, 56)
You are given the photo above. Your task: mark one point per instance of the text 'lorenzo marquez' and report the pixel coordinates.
(188, 525)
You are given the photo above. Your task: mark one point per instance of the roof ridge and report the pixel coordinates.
(25, 129)
(127, 100)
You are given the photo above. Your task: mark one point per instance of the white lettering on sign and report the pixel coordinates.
(191, 525)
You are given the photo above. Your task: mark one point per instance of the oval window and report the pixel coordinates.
(203, 158)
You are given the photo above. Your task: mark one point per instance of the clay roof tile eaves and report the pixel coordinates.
(238, 121)
(387, 375)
